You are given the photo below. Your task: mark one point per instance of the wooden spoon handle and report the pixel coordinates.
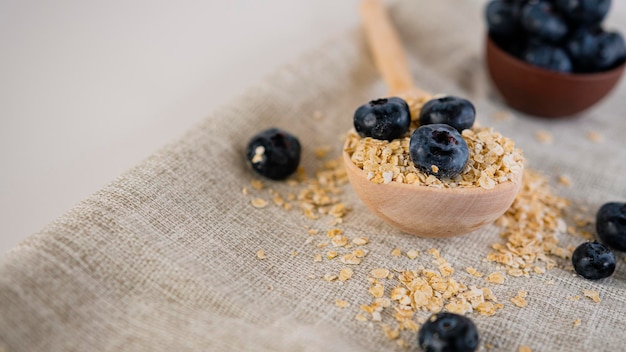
(386, 48)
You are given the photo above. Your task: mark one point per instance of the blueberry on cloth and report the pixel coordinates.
(384, 119)
(456, 112)
(448, 332)
(548, 57)
(611, 225)
(593, 260)
(438, 150)
(274, 153)
(540, 20)
(583, 12)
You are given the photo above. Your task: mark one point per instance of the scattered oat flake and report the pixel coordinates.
(258, 203)
(331, 255)
(345, 274)
(313, 232)
(577, 322)
(524, 349)
(434, 252)
(593, 295)
(495, 278)
(294, 253)
(594, 136)
(257, 184)
(520, 299)
(360, 317)
(261, 254)
(564, 180)
(474, 272)
(434, 169)
(321, 152)
(574, 298)
(333, 232)
(360, 241)
(341, 303)
(396, 252)
(350, 259)
(329, 277)
(377, 290)
(317, 257)
(544, 137)
(245, 191)
(339, 241)
(412, 254)
(322, 244)
(379, 273)
(392, 334)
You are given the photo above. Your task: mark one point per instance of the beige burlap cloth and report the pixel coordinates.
(165, 257)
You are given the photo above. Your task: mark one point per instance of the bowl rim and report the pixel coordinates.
(577, 76)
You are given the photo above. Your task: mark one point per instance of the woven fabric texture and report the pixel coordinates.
(165, 257)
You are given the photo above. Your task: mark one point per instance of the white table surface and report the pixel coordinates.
(90, 88)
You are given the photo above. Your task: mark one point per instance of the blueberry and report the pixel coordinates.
(448, 332)
(593, 260)
(584, 11)
(548, 57)
(274, 153)
(501, 20)
(384, 119)
(438, 150)
(582, 47)
(611, 51)
(539, 19)
(456, 112)
(611, 225)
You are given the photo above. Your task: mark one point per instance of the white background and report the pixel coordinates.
(90, 88)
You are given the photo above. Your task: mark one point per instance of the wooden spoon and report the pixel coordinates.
(418, 209)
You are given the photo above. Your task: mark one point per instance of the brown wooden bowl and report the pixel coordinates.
(546, 93)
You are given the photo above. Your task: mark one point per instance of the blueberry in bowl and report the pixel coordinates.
(554, 58)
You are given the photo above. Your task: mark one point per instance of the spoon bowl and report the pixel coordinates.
(419, 209)
(429, 211)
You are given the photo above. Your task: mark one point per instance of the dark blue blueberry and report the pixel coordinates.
(582, 48)
(456, 112)
(593, 260)
(584, 11)
(548, 57)
(611, 225)
(274, 153)
(501, 20)
(384, 119)
(448, 332)
(438, 150)
(540, 20)
(611, 51)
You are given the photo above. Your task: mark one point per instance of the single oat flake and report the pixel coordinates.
(520, 299)
(258, 203)
(592, 294)
(261, 254)
(341, 303)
